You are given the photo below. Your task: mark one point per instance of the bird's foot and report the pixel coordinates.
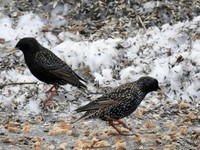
(51, 89)
(118, 122)
(119, 132)
(49, 103)
(123, 124)
(52, 94)
(113, 125)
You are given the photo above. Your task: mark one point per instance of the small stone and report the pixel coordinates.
(12, 129)
(37, 146)
(191, 115)
(149, 124)
(62, 146)
(183, 130)
(50, 147)
(156, 116)
(9, 140)
(166, 137)
(61, 119)
(104, 135)
(168, 147)
(60, 129)
(45, 28)
(158, 141)
(2, 40)
(175, 137)
(183, 105)
(26, 128)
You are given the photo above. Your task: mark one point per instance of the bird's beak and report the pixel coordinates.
(161, 92)
(12, 49)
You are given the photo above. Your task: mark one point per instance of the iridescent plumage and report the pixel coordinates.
(46, 66)
(120, 102)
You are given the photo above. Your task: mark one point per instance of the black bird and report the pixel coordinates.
(120, 102)
(47, 67)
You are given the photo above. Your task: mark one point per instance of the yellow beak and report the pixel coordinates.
(12, 49)
(162, 93)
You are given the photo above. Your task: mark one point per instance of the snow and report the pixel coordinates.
(32, 107)
(154, 53)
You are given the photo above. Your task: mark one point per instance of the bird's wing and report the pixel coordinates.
(49, 61)
(67, 74)
(103, 102)
(120, 94)
(53, 64)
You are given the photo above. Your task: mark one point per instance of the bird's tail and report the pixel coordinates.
(81, 118)
(87, 115)
(88, 92)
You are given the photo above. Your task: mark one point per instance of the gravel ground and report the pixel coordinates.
(105, 18)
(167, 126)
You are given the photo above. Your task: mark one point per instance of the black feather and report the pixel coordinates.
(46, 66)
(120, 102)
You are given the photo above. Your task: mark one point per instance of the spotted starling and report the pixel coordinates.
(47, 67)
(120, 102)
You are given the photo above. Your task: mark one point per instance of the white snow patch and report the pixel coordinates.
(33, 107)
(154, 53)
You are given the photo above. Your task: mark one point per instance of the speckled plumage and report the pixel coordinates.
(120, 102)
(46, 66)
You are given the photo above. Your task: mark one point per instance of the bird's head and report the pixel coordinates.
(27, 45)
(148, 84)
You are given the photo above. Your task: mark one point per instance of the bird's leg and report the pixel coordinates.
(52, 94)
(113, 125)
(50, 90)
(123, 124)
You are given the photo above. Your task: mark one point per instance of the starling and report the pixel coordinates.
(120, 102)
(47, 67)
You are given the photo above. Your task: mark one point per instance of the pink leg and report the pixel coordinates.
(123, 124)
(50, 90)
(113, 125)
(52, 94)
